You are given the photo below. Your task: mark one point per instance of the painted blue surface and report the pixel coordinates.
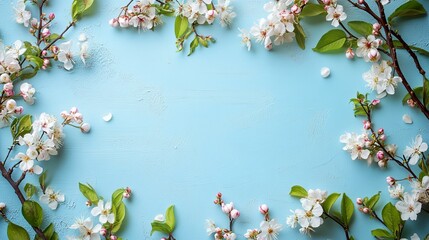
(248, 124)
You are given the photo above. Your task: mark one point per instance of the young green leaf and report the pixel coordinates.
(194, 44)
(373, 201)
(180, 26)
(418, 91)
(15, 232)
(382, 234)
(33, 213)
(36, 60)
(79, 7)
(30, 190)
(409, 9)
(117, 197)
(392, 218)
(170, 219)
(119, 217)
(329, 202)
(347, 208)
(298, 191)
(158, 226)
(361, 27)
(299, 35)
(331, 41)
(425, 91)
(49, 233)
(21, 126)
(89, 192)
(42, 181)
(312, 9)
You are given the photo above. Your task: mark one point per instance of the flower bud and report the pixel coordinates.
(113, 237)
(376, 26)
(44, 53)
(359, 201)
(235, 214)
(55, 49)
(366, 124)
(74, 110)
(126, 195)
(380, 155)
(216, 201)
(78, 117)
(114, 22)
(10, 105)
(88, 203)
(382, 163)
(163, 238)
(390, 180)
(411, 103)
(327, 2)
(128, 190)
(349, 53)
(373, 55)
(64, 114)
(263, 209)
(361, 1)
(2, 206)
(46, 62)
(227, 208)
(219, 195)
(295, 9)
(381, 131)
(18, 110)
(375, 102)
(8, 89)
(103, 232)
(85, 128)
(46, 32)
(325, 72)
(382, 137)
(51, 16)
(365, 210)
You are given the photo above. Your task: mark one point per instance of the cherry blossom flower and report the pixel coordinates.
(366, 45)
(251, 234)
(65, 55)
(87, 229)
(27, 92)
(52, 198)
(336, 15)
(396, 191)
(409, 207)
(210, 227)
(355, 145)
(22, 16)
(226, 13)
(418, 147)
(270, 230)
(27, 159)
(104, 211)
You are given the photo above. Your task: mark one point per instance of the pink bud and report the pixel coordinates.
(373, 55)
(46, 32)
(219, 195)
(295, 9)
(114, 22)
(361, 1)
(327, 2)
(227, 208)
(8, 89)
(51, 16)
(46, 62)
(44, 53)
(375, 102)
(235, 214)
(390, 180)
(216, 201)
(350, 54)
(382, 137)
(263, 209)
(365, 210)
(2, 206)
(113, 237)
(103, 232)
(126, 195)
(380, 155)
(64, 114)
(366, 124)
(88, 203)
(376, 26)
(163, 238)
(78, 117)
(55, 49)
(19, 110)
(359, 201)
(85, 128)
(128, 190)
(380, 131)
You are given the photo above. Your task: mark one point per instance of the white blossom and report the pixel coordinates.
(409, 207)
(65, 55)
(418, 147)
(22, 16)
(104, 211)
(269, 230)
(336, 15)
(52, 198)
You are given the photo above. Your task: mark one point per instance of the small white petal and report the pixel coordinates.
(107, 117)
(82, 37)
(407, 119)
(325, 72)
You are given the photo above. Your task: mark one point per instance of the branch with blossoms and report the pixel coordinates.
(148, 14)
(370, 41)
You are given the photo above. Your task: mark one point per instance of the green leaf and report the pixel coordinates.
(119, 217)
(312, 9)
(180, 26)
(203, 42)
(49, 233)
(425, 91)
(30, 190)
(79, 7)
(418, 91)
(392, 218)
(117, 197)
(36, 60)
(33, 213)
(373, 200)
(52, 37)
(298, 191)
(329, 202)
(331, 41)
(409, 9)
(89, 192)
(194, 44)
(299, 35)
(162, 227)
(15, 232)
(27, 74)
(21, 126)
(382, 234)
(361, 27)
(170, 219)
(42, 181)
(347, 208)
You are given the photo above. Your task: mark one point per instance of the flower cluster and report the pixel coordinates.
(269, 228)
(380, 79)
(310, 216)
(278, 27)
(205, 11)
(73, 117)
(143, 15)
(9, 60)
(232, 214)
(335, 12)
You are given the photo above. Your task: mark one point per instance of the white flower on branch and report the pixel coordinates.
(418, 147)
(409, 207)
(22, 16)
(336, 15)
(52, 198)
(104, 211)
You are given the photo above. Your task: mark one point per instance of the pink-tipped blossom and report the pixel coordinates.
(263, 209)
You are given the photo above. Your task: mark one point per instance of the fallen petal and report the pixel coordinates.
(407, 119)
(82, 37)
(108, 117)
(325, 72)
